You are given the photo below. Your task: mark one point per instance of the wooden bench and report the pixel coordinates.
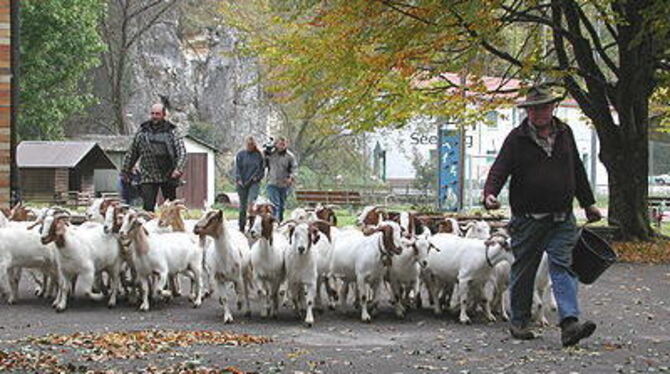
(74, 198)
(329, 197)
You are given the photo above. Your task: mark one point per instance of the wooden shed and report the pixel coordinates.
(199, 171)
(50, 170)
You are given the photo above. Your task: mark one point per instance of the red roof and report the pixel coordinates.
(499, 88)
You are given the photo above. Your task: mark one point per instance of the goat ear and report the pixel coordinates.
(290, 234)
(314, 234)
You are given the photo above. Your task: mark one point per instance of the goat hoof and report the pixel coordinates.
(247, 314)
(228, 319)
(466, 321)
(309, 324)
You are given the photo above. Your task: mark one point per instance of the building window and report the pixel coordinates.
(492, 119)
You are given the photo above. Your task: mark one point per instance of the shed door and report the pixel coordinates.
(194, 192)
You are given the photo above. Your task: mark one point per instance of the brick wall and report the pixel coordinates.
(5, 99)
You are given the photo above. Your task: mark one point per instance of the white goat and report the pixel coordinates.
(495, 292)
(82, 253)
(227, 262)
(403, 275)
(364, 259)
(477, 230)
(21, 248)
(543, 298)
(301, 268)
(302, 215)
(467, 262)
(96, 211)
(162, 254)
(267, 260)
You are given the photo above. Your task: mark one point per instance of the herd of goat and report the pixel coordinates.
(307, 261)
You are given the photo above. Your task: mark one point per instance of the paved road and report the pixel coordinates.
(630, 304)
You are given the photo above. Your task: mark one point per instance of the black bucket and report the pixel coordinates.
(591, 256)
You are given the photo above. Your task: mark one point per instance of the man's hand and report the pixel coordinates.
(177, 174)
(593, 214)
(491, 202)
(289, 181)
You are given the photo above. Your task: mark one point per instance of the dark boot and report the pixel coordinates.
(572, 331)
(522, 333)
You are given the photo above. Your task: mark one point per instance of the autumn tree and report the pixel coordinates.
(382, 62)
(125, 23)
(60, 44)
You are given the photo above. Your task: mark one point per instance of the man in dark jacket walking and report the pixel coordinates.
(249, 171)
(162, 155)
(546, 173)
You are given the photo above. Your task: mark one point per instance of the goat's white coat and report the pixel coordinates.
(162, 254)
(462, 261)
(86, 251)
(267, 260)
(358, 258)
(301, 260)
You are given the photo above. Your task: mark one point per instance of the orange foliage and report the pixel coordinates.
(657, 252)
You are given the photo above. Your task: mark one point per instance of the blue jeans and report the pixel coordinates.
(531, 237)
(247, 195)
(277, 196)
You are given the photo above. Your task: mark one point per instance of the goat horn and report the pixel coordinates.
(146, 215)
(61, 215)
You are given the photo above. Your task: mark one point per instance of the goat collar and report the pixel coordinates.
(488, 259)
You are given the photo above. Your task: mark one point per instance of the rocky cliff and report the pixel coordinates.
(207, 85)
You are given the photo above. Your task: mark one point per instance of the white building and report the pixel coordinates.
(483, 141)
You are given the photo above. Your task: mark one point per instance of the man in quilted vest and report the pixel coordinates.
(162, 155)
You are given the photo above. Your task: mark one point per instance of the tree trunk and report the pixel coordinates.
(118, 94)
(627, 166)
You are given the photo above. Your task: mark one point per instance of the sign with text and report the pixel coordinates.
(449, 151)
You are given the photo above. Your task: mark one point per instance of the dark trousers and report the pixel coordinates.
(247, 195)
(530, 238)
(150, 192)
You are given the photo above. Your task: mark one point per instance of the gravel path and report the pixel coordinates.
(630, 304)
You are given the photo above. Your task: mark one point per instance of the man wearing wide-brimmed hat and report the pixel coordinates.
(546, 173)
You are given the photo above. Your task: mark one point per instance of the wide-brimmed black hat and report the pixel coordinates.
(538, 96)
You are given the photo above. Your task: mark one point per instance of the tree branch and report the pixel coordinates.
(595, 38)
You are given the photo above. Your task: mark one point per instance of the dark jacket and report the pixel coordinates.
(249, 167)
(160, 150)
(540, 183)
